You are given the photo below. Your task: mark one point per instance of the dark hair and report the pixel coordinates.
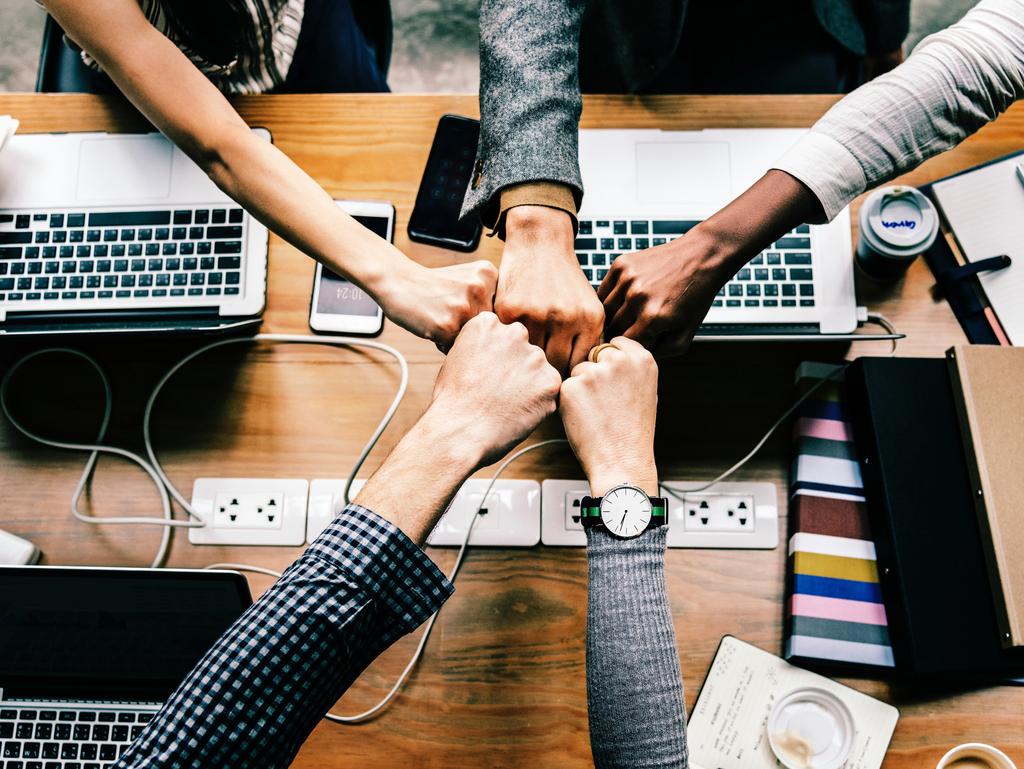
(212, 29)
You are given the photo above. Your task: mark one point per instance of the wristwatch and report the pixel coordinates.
(624, 512)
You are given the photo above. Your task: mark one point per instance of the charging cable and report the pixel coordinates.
(165, 488)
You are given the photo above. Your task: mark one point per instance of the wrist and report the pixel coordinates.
(642, 473)
(385, 268)
(451, 441)
(533, 222)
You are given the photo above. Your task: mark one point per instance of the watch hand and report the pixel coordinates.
(623, 521)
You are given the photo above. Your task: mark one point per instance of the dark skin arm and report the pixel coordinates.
(660, 296)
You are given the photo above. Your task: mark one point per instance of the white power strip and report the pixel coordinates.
(727, 515)
(249, 511)
(512, 518)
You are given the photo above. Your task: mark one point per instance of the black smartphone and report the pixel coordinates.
(435, 217)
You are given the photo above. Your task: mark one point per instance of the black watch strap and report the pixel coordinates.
(590, 512)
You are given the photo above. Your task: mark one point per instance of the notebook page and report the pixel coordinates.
(985, 209)
(727, 728)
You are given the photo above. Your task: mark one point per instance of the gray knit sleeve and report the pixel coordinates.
(634, 685)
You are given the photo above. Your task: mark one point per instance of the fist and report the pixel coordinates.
(496, 382)
(609, 409)
(436, 303)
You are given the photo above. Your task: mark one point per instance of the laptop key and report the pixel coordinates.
(231, 290)
(190, 263)
(182, 217)
(163, 279)
(93, 281)
(202, 217)
(801, 273)
(228, 247)
(214, 279)
(145, 280)
(23, 731)
(219, 216)
(69, 751)
(196, 233)
(89, 751)
(135, 249)
(207, 263)
(798, 257)
(807, 303)
(178, 233)
(108, 753)
(10, 253)
(177, 292)
(109, 281)
(170, 249)
(784, 244)
(57, 220)
(195, 292)
(82, 252)
(6, 284)
(229, 263)
(152, 249)
(12, 750)
(161, 233)
(119, 733)
(235, 215)
(232, 278)
(42, 236)
(204, 248)
(86, 715)
(209, 292)
(186, 249)
(180, 279)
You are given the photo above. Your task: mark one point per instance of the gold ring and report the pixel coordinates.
(597, 350)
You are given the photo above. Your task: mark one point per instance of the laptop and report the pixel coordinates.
(122, 233)
(87, 655)
(648, 187)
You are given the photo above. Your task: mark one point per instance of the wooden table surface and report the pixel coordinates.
(502, 680)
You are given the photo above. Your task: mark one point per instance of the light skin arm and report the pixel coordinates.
(171, 92)
(492, 391)
(660, 296)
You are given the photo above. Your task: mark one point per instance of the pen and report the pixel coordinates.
(1020, 172)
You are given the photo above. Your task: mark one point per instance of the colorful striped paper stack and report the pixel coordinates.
(834, 609)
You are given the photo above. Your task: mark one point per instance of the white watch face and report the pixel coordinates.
(626, 511)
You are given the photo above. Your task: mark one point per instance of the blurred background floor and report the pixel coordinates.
(435, 42)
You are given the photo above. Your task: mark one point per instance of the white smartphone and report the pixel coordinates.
(339, 306)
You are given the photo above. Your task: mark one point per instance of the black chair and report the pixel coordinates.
(61, 69)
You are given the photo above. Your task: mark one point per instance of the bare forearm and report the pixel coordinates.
(768, 209)
(281, 195)
(423, 472)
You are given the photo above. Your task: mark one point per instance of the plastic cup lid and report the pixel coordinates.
(899, 219)
(811, 728)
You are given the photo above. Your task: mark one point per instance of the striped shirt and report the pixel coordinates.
(272, 34)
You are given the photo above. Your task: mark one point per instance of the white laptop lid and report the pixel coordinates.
(677, 174)
(96, 169)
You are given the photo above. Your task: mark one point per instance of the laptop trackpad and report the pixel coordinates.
(124, 168)
(696, 173)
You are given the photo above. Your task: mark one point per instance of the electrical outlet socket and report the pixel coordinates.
(753, 524)
(512, 517)
(249, 511)
(560, 512)
(727, 515)
(325, 502)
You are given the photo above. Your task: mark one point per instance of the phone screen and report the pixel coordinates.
(338, 296)
(435, 218)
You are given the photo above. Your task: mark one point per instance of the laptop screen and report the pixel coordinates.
(109, 634)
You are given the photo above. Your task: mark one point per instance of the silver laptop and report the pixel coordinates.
(122, 232)
(647, 187)
(87, 655)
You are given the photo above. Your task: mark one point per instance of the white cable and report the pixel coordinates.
(244, 567)
(884, 322)
(875, 317)
(366, 715)
(153, 468)
(286, 338)
(95, 449)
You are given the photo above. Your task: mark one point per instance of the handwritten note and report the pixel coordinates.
(727, 728)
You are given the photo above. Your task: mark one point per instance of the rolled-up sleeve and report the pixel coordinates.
(955, 82)
(257, 694)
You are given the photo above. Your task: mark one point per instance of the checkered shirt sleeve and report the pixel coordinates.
(258, 693)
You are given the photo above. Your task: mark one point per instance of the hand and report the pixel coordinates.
(660, 296)
(493, 389)
(496, 385)
(609, 409)
(541, 285)
(436, 303)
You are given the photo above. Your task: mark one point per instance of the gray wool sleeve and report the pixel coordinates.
(529, 99)
(634, 685)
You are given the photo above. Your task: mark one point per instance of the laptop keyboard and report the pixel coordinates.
(66, 738)
(780, 276)
(130, 257)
